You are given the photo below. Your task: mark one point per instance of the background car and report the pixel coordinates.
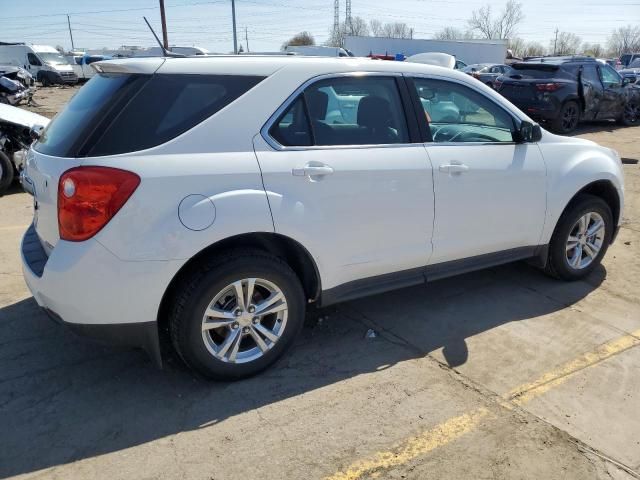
(562, 91)
(486, 72)
(632, 72)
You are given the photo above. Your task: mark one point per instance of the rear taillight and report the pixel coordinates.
(88, 197)
(548, 87)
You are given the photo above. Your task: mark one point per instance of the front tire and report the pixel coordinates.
(581, 238)
(237, 314)
(631, 114)
(6, 173)
(568, 118)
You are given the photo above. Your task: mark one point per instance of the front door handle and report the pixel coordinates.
(312, 171)
(453, 168)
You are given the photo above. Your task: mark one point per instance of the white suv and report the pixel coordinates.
(209, 200)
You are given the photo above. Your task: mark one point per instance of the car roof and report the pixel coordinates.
(265, 65)
(559, 60)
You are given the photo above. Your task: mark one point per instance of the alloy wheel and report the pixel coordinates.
(244, 320)
(585, 240)
(631, 113)
(569, 117)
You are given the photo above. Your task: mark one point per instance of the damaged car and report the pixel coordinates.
(15, 138)
(563, 91)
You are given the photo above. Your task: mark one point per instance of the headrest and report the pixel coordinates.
(374, 112)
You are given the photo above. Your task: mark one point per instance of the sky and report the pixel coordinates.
(268, 23)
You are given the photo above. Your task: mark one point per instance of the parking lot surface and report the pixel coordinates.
(503, 373)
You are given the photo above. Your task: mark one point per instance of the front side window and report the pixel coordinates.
(457, 113)
(33, 60)
(358, 110)
(609, 76)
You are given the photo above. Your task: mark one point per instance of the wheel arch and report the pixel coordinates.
(296, 256)
(604, 189)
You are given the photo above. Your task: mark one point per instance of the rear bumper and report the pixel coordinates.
(140, 335)
(93, 292)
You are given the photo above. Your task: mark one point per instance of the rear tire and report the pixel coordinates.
(6, 173)
(567, 119)
(249, 334)
(576, 248)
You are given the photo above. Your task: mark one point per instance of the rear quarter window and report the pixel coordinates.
(116, 114)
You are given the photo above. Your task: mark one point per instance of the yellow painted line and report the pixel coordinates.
(456, 427)
(414, 447)
(529, 391)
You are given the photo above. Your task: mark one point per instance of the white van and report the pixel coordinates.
(45, 63)
(317, 51)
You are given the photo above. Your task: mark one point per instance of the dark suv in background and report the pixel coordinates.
(562, 91)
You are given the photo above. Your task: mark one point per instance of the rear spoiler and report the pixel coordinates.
(535, 66)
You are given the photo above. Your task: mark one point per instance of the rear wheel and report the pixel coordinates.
(568, 117)
(237, 315)
(6, 173)
(581, 238)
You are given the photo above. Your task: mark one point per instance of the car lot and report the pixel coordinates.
(497, 374)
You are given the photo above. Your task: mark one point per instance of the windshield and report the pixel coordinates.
(476, 67)
(53, 58)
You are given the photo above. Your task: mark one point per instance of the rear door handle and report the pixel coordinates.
(312, 171)
(453, 168)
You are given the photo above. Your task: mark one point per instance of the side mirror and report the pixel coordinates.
(529, 132)
(426, 93)
(627, 81)
(35, 132)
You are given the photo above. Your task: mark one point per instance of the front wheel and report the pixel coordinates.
(581, 238)
(631, 114)
(237, 315)
(6, 173)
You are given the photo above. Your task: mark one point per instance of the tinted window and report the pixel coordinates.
(356, 110)
(345, 111)
(457, 113)
(33, 60)
(524, 70)
(69, 129)
(115, 114)
(292, 128)
(590, 74)
(609, 76)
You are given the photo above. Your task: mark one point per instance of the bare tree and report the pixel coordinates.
(397, 30)
(302, 38)
(358, 28)
(534, 49)
(453, 33)
(593, 49)
(504, 26)
(566, 44)
(376, 27)
(624, 40)
(517, 46)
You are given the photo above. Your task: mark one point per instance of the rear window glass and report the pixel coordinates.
(115, 114)
(533, 71)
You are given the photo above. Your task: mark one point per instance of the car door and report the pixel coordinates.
(490, 194)
(592, 90)
(613, 97)
(358, 196)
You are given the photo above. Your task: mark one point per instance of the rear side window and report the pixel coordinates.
(116, 114)
(344, 111)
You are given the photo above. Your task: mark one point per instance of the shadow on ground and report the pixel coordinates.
(64, 399)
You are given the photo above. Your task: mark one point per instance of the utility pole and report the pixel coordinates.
(555, 42)
(233, 19)
(163, 20)
(70, 33)
(348, 25)
(246, 38)
(336, 19)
